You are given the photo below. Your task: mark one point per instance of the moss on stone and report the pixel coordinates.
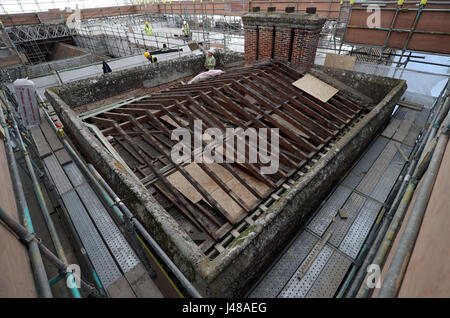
(242, 236)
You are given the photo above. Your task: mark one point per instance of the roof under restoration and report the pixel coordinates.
(210, 200)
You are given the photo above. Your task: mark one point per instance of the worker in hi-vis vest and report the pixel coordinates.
(210, 61)
(148, 29)
(150, 57)
(186, 30)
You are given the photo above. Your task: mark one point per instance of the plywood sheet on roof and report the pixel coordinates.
(315, 87)
(345, 62)
(201, 177)
(230, 206)
(260, 186)
(210, 186)
(221, 172)
(216, 192)
(245, 195)
(184, 186)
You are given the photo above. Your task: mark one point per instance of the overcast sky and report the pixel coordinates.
(18, 6)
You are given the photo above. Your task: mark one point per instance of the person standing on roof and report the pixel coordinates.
(147, 29)
(210, 61)
(186, 30)
(150, 57)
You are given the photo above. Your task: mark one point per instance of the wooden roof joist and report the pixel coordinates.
(209, 198)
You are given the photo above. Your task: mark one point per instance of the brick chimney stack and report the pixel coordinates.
(289, 37)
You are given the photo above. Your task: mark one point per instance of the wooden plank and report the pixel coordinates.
(342, 214)
(391, 128)
(218, 194)
(50, 135)
(210, 186)
(220, 171)
(184, 186)
(315, 87)
(40, 141)
(242, 191)
(260, 186)
(410, 105)
(121, 289)
(201, 177)
(410, 139)
(141, 283)
(402, 131)
(63, 156)
(345, 62)
(228, 203)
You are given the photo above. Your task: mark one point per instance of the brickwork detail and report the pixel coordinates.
(296, 37)
(265, 43)
(251, 44)
(282, 43)
(305, 47)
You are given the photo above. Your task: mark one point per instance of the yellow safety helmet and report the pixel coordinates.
(146, 54)
(146, 22)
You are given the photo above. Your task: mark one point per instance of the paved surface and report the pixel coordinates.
(324, 251)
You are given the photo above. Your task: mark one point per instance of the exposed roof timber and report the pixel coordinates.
(255, 97)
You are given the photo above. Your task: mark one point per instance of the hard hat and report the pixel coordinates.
(146, 54)
(184, 22)
(146, 22)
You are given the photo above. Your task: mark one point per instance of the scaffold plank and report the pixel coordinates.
(277, 277)
(99, 255)
(331, 276)
(119, 247)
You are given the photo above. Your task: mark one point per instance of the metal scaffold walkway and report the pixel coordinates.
(317, 261)
(120, 271)
(113, 249)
